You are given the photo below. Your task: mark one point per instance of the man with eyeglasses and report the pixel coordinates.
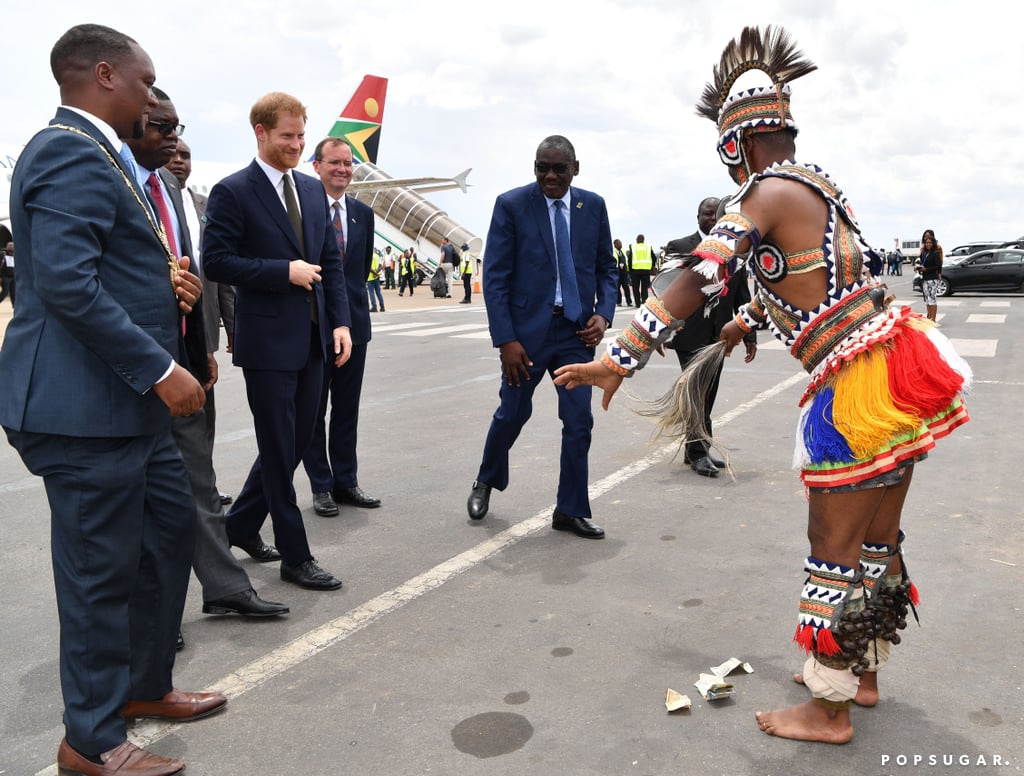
(550, 281)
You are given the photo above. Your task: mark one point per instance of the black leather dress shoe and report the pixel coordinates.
(716, 461)
(180, 643)
(356, 497)
(225, 499)
(323, 504)
(246, 603)
(310, 576)
(704, 467)
(580, 526)
(479, 500)
(255, 547)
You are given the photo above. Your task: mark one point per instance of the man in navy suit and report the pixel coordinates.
(226, 586)
(268, 233)
(549, 286)
(90, 385)
(335, 480)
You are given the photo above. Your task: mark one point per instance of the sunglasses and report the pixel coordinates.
(543, 168)
(168, 128)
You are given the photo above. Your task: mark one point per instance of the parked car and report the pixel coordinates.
(962, 251)
(1001, 269)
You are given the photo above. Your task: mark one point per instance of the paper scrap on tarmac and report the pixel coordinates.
(731, 665)
(675, 701)
(713, 688)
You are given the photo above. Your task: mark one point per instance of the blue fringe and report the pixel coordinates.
(824, 442)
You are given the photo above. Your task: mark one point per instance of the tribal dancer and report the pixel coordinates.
(884, 384)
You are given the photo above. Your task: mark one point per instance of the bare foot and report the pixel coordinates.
(867, 692)
(807, 722)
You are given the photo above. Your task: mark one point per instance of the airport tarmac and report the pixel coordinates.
(504, 648)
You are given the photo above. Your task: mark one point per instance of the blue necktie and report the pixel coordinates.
(566, 269)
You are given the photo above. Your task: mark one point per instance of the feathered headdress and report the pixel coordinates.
(760, 109)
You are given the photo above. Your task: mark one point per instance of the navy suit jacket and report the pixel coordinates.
(218, 298)
(520, 268)
(249, 243)
(358, 260)
(97, 320)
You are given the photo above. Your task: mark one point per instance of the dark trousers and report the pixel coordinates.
(284, 407)
(330, 460)
(467, 285)
(561, 346)
(406, 280)
(389, 277)
(695, 448)
(122, 521)
(624, 288)
(641, 280)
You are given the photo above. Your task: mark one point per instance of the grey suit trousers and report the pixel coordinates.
(217, 569)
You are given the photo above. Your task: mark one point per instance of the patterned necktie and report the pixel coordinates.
(153, 181)
(566, 269)
(339, 230)
(291, 204)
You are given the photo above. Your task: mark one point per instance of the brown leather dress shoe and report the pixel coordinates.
(124, 760)
(178, 706)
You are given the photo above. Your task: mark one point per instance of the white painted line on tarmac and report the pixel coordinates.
(986, 318)
(312, 643)
(978, 348)
(384, 328)
(440, 330)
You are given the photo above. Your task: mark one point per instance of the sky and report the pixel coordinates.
(915, 109)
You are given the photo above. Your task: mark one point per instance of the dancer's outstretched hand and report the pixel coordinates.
(592, 373)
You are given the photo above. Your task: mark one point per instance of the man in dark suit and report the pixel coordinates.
(336, 481)
(291, 316)
(700, 331)
(218, 299)
(101, 301)
(226, 586)
(550, 282)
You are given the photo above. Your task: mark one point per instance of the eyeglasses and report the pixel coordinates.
(543, 168)
(167, 128)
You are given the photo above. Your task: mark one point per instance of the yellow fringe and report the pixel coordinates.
(863, 410)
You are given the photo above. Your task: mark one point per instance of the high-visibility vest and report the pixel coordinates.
(466, 266)
(641, 255)
(374, 267)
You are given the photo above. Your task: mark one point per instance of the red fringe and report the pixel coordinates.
(920, 380)
(804, 637)
(915, 597)
(827, 643)
(811, 639)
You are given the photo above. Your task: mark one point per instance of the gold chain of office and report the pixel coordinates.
(158, 230)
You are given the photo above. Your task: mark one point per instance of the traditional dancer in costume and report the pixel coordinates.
(884, 384)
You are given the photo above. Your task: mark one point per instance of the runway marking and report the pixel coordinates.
(440, 330)
(986, 318)
(384, 328)
(979, 348)
(995, 303)
(312, 643)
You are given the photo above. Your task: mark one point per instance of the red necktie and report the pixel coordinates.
(339, 232)
(165, 218)
(161, 208)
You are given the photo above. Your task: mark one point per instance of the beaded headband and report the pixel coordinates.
(760, 109)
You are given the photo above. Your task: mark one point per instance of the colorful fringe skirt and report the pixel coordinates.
(879, 400)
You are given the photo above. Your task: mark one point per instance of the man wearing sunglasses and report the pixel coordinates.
(550, 279)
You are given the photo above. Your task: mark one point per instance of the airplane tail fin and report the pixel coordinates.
(360, 121)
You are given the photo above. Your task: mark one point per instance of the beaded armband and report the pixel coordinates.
(651, 326)
(719, 249)
(750, 317)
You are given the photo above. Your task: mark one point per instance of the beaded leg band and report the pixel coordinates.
(832, 623)
(890, 595)
(651, 326)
